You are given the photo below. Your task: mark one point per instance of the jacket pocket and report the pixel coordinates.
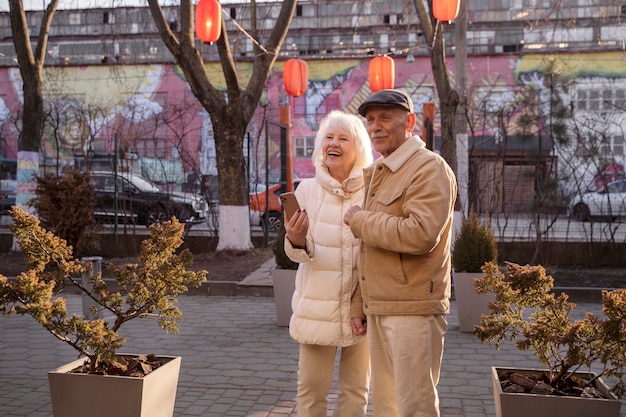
(390, 199)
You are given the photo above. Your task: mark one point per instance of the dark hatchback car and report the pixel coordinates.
(136, 200)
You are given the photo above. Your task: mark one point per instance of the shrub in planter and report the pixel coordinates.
(282, 260)
(65, 206)
(527, 312)
(144, 290)
(474, 245)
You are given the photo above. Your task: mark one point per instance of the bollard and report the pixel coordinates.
(88, 302)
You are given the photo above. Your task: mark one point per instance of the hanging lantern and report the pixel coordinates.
(446, 10)
(208, 20)
(296, 76)
(382, 73)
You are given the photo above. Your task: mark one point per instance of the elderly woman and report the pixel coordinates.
(327, 252)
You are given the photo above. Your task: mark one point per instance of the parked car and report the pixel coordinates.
(608, 202)
(140, 201)
(259, 204)
(8, 189)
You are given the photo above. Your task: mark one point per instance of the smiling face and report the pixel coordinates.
(340, 152)
(388, 127)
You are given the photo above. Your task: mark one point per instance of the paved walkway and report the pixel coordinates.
(235, 360)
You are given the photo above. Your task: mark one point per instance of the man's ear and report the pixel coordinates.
(411, 121)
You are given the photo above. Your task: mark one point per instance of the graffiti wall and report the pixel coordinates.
(150, 113)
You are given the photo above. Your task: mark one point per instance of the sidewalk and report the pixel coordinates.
(235, 361)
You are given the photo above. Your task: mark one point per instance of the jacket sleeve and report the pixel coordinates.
(300, 255)
(356, 303)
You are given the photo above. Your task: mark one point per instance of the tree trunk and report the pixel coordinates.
(230, 110)
(31, 70)
(448, 97)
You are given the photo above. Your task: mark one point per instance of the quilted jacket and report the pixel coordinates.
(326, 279)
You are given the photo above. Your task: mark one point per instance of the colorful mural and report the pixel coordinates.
(149, 109)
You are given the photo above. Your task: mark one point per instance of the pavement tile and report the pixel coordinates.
(235, 360)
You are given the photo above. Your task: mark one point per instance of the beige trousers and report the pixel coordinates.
(406, 353)
(315, 375)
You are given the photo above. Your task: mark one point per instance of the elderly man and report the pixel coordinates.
(404, 226)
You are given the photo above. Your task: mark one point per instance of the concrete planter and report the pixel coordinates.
(524, 405)
(470, 305)
(284, 286)
(80, 395)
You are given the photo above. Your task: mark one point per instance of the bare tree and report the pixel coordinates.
(448, 97)
(31, 69)
(230, 111)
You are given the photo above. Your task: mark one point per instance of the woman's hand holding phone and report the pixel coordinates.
(296, 220)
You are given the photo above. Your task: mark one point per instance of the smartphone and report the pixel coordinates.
(289, 203)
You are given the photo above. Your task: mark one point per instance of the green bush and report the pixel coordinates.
(527, 312)
(146, 289)
(65, 206)
(282, 260)
(474, 245)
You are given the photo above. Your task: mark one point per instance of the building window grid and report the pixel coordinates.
(601, 100)
(152, 148)
(604, 101)
(303, 146)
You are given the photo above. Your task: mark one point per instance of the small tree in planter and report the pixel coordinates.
(144, 290)
(281, 258)
(527, 312)
(474, 245)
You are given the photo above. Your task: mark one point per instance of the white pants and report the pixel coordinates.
(406, 353)
(315, 375)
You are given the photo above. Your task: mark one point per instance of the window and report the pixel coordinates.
(606, 99)
(594, 100)
(304, 146)
(75, 19)
(152, 148)
(581, 100)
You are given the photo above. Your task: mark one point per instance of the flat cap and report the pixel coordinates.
(387, 98)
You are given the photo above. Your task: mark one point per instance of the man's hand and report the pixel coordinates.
(358, 325)
(347, 217)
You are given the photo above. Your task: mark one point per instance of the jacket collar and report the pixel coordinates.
(403, 153)
(349, 186)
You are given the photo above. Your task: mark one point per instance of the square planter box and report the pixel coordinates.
(470, 305)
(524, 405)
(80, 395)
(284, 286)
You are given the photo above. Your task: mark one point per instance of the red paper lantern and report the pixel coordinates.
(382, 73)
(446, 10)
(208, 20)
(296, 76)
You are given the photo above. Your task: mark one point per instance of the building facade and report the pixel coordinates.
(533, 70)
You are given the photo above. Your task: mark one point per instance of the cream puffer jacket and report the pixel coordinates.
(327, 276)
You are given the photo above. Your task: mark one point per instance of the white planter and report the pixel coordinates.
(470, 305)
(80, 395)
(284, 286)
(524, 405)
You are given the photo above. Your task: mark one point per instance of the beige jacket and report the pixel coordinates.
(327, 276)
(405, 231)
